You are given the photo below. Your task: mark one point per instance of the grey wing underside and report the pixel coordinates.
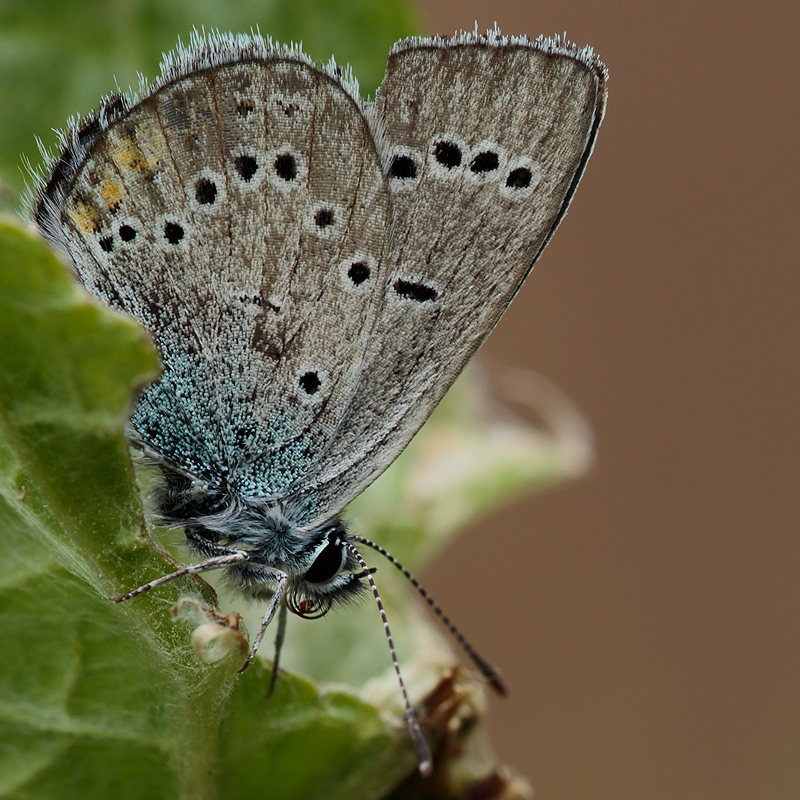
(302, 350)
(520, 118)
(241, 214)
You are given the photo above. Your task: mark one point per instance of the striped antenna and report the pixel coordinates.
(488, 671)
(421, 748)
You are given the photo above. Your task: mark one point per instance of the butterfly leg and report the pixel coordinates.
(280, 635)
(218, 562)
(274, 602)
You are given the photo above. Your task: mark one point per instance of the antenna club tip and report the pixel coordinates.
(424, 757)
(498, 685)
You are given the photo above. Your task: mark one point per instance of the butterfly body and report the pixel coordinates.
(318, 570)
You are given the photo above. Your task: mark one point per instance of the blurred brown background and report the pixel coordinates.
(647, 616)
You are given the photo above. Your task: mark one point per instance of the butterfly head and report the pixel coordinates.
(325, 575)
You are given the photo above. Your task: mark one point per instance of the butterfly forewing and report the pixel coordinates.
(485, 142)
(242, 215)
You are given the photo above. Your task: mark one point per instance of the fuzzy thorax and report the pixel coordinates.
(321, 571)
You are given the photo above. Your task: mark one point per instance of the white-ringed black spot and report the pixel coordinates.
(205, 191)
(519, 178)
(173, 232)
(324, 217)
(310, 382)
(107, 244)
(447, 154)
(358, 273)
(403, 167)
(246, 166)
(126, 233)
(286, 166)
(415, 291)
(485, 162)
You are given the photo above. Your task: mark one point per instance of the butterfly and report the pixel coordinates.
(316, 271)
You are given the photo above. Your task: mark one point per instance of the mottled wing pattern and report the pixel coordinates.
(486, 139)
(240, 212)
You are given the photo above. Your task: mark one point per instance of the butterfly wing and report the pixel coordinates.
(240, 212)
(486, 140)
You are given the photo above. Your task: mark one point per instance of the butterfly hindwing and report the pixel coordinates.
(486, 139)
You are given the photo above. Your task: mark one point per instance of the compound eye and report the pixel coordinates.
(326, 564)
